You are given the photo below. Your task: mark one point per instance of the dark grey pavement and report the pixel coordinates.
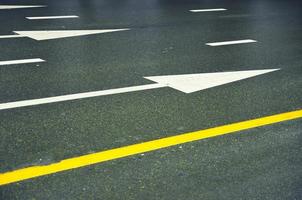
(165, 38)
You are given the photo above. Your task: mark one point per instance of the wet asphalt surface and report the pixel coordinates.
(165, 38)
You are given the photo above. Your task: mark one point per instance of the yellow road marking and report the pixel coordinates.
(85, 160)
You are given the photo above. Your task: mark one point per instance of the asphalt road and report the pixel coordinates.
(165, 39)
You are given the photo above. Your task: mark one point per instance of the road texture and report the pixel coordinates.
(165, 38)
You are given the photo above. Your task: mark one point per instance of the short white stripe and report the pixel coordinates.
(53, 17)
(209, 10)
(214, 44)
(14, 62)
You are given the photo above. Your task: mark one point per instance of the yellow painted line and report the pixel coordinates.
(81, 161)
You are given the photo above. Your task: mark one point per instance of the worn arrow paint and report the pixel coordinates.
(56, 34)
(186, 83)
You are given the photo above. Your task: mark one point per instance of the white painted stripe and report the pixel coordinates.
(7, 7)
(14, 62)
(53, 17)
(11, 36)
(209, 10)
(69, 97)
(214, 44)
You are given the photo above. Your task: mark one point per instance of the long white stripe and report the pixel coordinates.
(69, 97)
(230, 42)
(53, 17)
(209, 10)
(14, 62)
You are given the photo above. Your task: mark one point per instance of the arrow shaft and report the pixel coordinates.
(69, 97)
(11, 36)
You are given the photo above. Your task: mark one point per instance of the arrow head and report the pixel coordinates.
(189, 83)
(51, 34)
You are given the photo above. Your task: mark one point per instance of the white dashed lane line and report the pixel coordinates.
(8, 7)
(24, 61)
(214, 44)
(209, 10)
(53, 17)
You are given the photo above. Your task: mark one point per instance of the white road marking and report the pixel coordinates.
(11, 36)
(7, 7)
(214, 44)
(189, 83)
(53, 17)
(48, 35)
(69, 97)
(186, 83)
(24, 61)
(209, 10)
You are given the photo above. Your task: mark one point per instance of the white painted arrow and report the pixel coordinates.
(186, 83)
(194, 82)
(8, 7)
(49, 35)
